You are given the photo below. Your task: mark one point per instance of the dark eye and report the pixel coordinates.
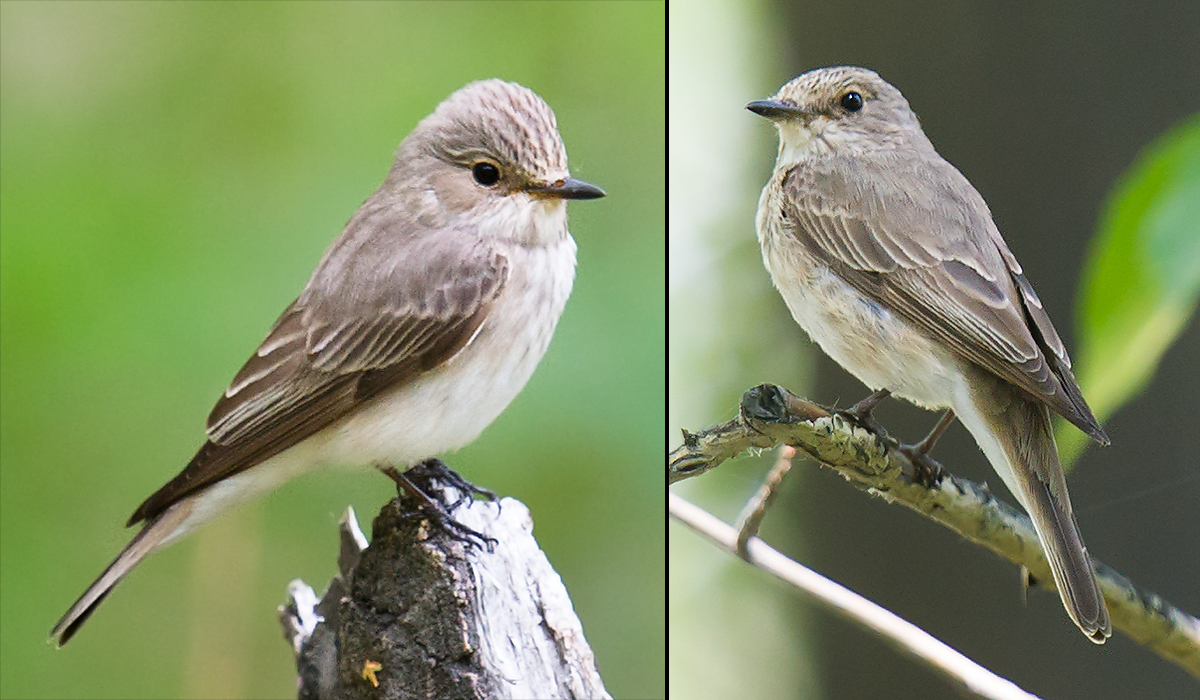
(851, 102)
(485, 174)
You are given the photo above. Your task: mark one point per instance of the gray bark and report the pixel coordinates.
(425, 616)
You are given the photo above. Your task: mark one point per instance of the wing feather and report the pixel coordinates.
(353, 334)
(938, 261)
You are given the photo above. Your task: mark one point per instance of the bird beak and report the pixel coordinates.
(569, 188)
(775, 110)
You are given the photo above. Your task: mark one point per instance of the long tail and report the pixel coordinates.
(151, 537)
(1021, 448)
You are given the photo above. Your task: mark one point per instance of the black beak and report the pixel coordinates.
(776, 110)
(569, 188)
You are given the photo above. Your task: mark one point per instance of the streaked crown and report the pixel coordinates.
(844, 104)
(493, 119)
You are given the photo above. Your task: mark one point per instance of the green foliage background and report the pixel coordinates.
(170, 174)
(1142, 277)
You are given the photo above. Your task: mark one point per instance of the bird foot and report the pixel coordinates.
(926, 470)
(860, 413)
(430, 477)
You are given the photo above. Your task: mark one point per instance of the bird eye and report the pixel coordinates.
(851, 101)
(485, 174)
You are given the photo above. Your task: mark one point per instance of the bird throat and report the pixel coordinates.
(796, 143)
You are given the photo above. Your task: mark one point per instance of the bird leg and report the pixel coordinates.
(432, 473)
(861, 412)
(927, 471)
(436, 469)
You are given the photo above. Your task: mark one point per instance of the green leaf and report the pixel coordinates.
(1142, 278)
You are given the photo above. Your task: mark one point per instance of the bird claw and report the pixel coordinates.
(860, 413)
(435, 477)
(926, 470)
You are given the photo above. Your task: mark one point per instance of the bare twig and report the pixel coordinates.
(754, 512)
(770, 415)
(887, 624)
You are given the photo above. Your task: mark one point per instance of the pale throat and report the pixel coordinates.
(798, 141)
(525, 219)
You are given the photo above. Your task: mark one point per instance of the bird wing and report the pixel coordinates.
(916, 237)
(373, 316)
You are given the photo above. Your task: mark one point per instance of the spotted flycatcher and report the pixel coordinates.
(421, 323)
(889, 259)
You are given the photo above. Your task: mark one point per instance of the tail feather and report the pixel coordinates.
(1069, 562)
(1024, 453)
(147, 540)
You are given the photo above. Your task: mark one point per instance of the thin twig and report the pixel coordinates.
(883, 622)
(752, 515)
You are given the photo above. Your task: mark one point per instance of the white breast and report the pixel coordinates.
(869, 341)
(449, 407)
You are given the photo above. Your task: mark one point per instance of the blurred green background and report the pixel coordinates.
(170, 175)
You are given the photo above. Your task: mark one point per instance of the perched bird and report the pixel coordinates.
(423, 320)
(889, 259)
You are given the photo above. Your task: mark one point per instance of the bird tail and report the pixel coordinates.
(150, 538)
(1036, 476)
